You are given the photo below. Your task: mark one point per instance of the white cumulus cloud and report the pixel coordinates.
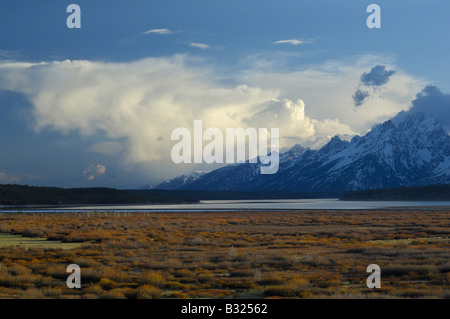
(141, 102)
(295, 126)
(94, 171)
(327, 90)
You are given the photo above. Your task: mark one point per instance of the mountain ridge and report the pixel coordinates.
(411, 149)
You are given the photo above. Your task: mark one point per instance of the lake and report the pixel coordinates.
(226, 205)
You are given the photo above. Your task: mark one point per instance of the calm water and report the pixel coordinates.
(225, 205)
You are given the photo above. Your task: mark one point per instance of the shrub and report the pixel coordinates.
(405, 269)
(152, 278)
(294, 288)
(90, 274)
(197, 241)
(178, 295)
(93, 290)
(148, 292)
(56, 292)
(270, 281)
(412, 293)
(31, 293)
(113, 294)
(85, 262)
(107, 283)
(232, 253)
(257, 275)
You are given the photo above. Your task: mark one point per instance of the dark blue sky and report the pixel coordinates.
(413, 31)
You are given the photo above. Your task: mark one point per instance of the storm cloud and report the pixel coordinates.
(360, 96)
(375, 78)
(141, 102)
(432, 101)
(123, 113)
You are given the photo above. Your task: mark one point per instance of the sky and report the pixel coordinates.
(96, 105)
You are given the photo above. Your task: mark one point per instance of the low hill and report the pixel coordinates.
(419, 193)
(17, 195)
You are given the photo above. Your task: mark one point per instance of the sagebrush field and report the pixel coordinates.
(240, 254)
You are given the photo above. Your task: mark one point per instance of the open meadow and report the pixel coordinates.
(238, 254)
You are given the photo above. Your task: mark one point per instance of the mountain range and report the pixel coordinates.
(411, 149)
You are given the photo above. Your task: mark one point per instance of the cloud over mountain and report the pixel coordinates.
(143, 101)
(375, 78)
(432, 101)
(136, 105)
(360, 96)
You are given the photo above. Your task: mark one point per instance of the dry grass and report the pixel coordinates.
(21, 241)
(286, 254)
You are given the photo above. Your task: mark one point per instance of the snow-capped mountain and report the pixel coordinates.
(410, 149)
(179, 181)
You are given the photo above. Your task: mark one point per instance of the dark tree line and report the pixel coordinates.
(34, 195)
(418, 193)
(17, 195)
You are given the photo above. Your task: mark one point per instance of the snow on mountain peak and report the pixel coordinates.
(410, 149)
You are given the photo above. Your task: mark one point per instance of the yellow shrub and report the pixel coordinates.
(152, 278)
(107, 283)
(148, 292)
